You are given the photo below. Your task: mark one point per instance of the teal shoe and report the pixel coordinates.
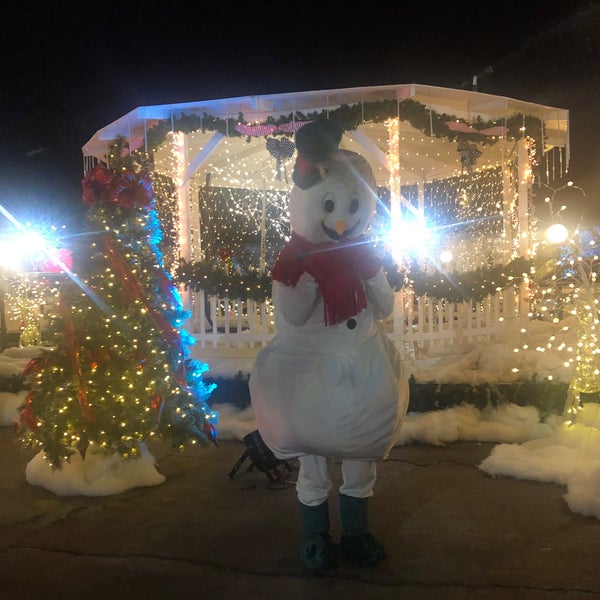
(357, 543)
(318, 551)
(363, 549)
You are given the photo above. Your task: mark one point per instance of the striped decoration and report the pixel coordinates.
(266, 130)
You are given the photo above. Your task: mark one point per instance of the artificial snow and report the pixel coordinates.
(527, 446)
(12, 362)
(9, 406)
(97, 475)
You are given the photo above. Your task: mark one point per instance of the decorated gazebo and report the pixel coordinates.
(459, 162)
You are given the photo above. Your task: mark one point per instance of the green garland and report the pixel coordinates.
(453, 287)
(350, 117)
(256, 285)
(472, 285)
(219, 281)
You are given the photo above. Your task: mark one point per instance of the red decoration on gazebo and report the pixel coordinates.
(292, 126)
(256, 130)
(266, 130)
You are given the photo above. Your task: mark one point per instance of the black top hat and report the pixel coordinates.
(316, 142)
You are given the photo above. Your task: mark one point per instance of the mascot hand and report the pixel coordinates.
(380, 294)
(296, 304)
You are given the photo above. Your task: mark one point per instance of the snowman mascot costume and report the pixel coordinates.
(330, 386)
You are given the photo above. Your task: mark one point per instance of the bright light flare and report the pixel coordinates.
(446, 257)
(26, 251)
(410, 238)
(557, 233)
(18, 249)
(31, 248)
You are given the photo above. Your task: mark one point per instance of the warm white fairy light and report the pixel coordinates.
(393, 161)
(179, 166)
(571, 289)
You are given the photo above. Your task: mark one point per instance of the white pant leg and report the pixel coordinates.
(359, 478)
(313, 485)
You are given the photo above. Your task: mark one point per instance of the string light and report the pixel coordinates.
(101, 389)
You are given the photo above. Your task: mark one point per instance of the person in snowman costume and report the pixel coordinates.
(330, 386)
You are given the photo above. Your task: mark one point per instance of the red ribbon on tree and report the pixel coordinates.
(167, 288)
(134, 289)
(157, 404)
(28, 417)
(73, 352)
(34, 365)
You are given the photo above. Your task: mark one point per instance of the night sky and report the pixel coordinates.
(69, 71)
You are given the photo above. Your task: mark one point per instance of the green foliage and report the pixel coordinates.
(548, 397)
(350, 117)
(453, 287)
(219, 281)
(119, 372)
(472, 285)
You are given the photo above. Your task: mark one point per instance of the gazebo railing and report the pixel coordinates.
(231, 322)
(420, 322)
(417, 323)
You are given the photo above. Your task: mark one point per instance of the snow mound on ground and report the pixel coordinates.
(569, 457)
(9, 405)
(97, 475)
(508, 422)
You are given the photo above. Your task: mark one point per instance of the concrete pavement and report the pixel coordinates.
(451, 532)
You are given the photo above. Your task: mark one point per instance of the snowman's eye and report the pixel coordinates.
(329, 205)
(353, 205)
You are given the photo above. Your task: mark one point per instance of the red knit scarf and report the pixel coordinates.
(338, 269)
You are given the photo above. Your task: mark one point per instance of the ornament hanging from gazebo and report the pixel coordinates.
(280, 149)
(469, 153)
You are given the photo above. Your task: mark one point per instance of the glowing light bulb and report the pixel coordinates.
(557, 233)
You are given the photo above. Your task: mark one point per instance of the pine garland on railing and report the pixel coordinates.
(471, 285)
(452, 287)
(223, 282)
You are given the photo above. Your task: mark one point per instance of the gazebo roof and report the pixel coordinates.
(419, 161)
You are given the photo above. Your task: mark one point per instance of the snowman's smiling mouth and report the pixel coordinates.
(334, 235)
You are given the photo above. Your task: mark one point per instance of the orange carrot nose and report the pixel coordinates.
(340, 226)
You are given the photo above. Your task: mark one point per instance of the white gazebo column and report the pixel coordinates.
(190, 242)
(188, 208)
(508, 198)
(393, 163)
(524, 186)
(524, 174)
(180, 151)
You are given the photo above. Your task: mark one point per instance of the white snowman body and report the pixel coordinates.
(337, 390)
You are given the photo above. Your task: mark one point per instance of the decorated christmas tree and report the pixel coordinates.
(119, 372)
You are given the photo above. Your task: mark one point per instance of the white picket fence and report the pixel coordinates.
(417, 323)
(231, 323)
